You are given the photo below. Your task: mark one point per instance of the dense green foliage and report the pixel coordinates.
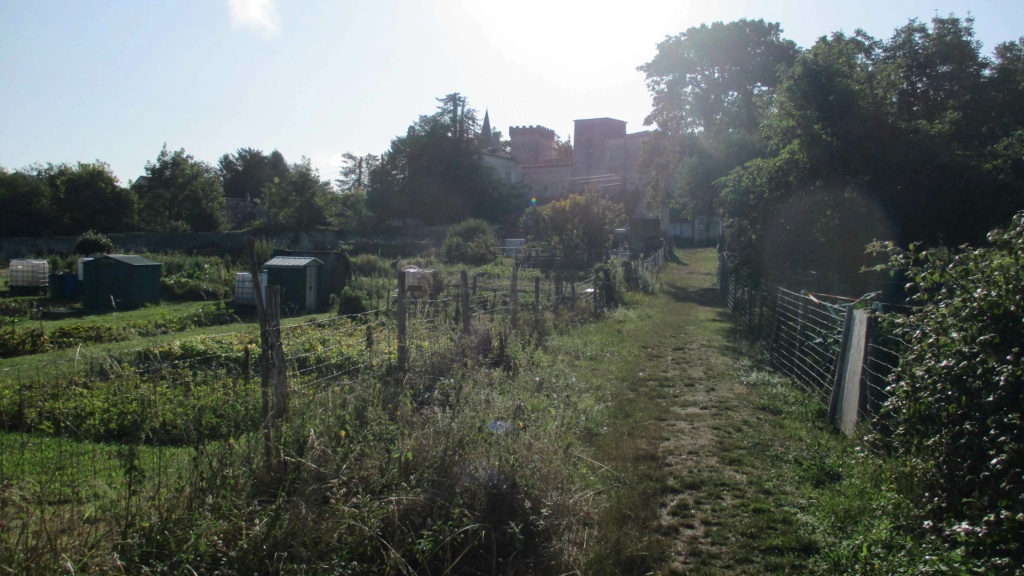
(575, 225)
(247, 173)
(65, 199)
(470, 242)
(808, 155)
(435, 173)
(958, 395)
(28, 339)
(180, 194)
(92, 242)
(302, 201)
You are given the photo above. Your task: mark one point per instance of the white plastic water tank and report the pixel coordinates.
(245, 294)
(29, 274)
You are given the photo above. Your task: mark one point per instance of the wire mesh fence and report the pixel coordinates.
(808, 337)
(90, 435)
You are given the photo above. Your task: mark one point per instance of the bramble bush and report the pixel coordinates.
(957, 397)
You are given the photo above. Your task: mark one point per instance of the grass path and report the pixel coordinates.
(741, 461)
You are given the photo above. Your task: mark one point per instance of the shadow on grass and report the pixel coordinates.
(673, 257)
(711, 297)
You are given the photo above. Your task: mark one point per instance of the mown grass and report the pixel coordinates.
(750, 478)
(758, 481)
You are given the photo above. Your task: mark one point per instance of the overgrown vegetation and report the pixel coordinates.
(575, 225)
(470, 242)
(21, 340)
(479, 458)
(958, 397)
(809, 154)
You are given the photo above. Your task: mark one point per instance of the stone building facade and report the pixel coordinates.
(605, 158)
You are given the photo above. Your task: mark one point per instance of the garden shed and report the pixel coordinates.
(298, 277)
(121, 282)
(331, 277)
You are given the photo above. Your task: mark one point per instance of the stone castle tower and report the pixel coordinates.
(532, 144)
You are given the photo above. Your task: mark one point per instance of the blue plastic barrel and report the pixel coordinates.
(70, 286)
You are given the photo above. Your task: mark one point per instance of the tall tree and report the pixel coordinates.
(435, 173)
(711, 77)
(303, 201)
(26, 201)
(180, 193)
(247, 173)
(710, 87)
(88, 196)
(355, 171)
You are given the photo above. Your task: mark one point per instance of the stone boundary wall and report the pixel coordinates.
(38, 247)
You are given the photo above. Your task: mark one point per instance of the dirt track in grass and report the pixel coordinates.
(723, 510)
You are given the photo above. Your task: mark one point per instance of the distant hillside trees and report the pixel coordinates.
(435, 173)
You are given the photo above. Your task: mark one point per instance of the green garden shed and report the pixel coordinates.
(120, 282)
(298, 278)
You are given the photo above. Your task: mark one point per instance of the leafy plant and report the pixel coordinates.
(470, 242)
(957, 397)
(351, 302)
(369, 265)
(579, 223)
(92, 242)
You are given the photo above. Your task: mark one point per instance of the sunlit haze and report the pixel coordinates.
(115, 80)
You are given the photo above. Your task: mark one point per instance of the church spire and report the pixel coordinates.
(485, 131)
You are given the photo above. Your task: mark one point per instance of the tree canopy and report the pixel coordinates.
(436, 174)
(303, 201)
(181, 194)
(808, 155)
(248, 172)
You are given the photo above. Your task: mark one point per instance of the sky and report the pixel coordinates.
(116, 80)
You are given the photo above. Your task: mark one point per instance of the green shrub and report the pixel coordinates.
(957, 399)
(351, 302)
(369, 265)
(14, 342)
(470, 242)
(575, 225)
(92, 242)
(194, 278)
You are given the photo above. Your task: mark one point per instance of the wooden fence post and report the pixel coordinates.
(464, 278)
(515, 291)
(597, 291)
(403, 349)
(278, 373)
(261, 313)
